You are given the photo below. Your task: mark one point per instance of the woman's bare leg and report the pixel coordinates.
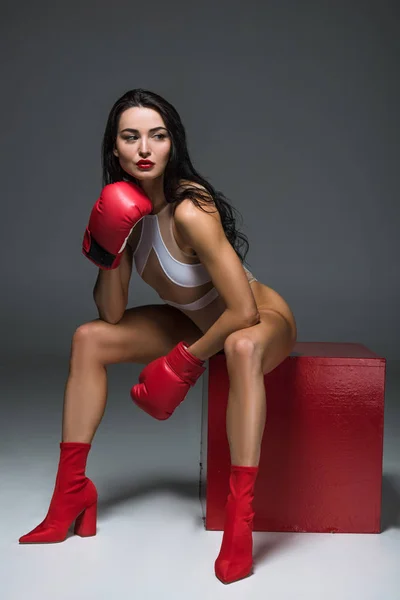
(143, 334)
(84, 399)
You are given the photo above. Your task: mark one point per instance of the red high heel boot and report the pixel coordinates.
(235, 560)
(74, 499)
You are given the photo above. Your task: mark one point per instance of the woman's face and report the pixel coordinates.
(142, 135)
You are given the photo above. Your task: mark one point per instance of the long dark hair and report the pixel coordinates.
(179, 165)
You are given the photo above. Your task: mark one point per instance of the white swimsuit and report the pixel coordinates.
(164, 269)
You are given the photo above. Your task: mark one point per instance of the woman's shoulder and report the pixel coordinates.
(203, 202)
(204, 199)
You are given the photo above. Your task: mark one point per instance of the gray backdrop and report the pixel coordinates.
(291, 109)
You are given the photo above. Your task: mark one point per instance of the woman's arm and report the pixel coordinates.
(214, 339)
(110, 292)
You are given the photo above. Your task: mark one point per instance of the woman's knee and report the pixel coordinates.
(90, 337)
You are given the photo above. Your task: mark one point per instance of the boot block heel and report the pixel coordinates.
(85, 523)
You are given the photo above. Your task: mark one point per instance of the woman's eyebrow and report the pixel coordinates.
(137, 130)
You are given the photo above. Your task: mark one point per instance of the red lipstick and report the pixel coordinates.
(145, 164)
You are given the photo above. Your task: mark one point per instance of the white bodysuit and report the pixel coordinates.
(180, 279)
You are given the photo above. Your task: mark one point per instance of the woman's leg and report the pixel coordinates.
(251, 353)
(143, 334)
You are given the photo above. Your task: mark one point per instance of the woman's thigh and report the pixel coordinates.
(143, 334)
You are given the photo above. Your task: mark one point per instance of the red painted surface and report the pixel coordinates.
(322, 451)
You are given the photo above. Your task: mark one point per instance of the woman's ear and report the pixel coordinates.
(115, 152)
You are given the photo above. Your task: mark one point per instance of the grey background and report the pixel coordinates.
(291, 109)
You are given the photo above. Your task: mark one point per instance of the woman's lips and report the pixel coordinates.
(145, 165)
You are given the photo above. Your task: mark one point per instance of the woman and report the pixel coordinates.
(181, 234)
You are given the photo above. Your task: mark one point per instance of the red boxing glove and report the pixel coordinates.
(121, 205)
(165, 382)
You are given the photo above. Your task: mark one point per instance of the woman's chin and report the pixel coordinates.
(144, 175)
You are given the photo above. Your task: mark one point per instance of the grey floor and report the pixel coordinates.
(151, 542)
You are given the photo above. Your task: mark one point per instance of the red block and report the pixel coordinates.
(322, 452)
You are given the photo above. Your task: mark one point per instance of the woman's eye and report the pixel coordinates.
(159, 135)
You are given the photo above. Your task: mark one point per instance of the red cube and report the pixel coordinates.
(322, 451)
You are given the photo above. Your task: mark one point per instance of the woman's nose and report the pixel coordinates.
(144, 146)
